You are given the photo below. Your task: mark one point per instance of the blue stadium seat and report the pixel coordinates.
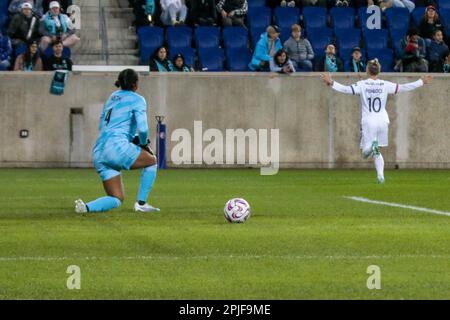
(260, 17)
(235, 37)
(346, 40)
(398, 19)
(255, 34)
(342, 17)
(319, 39)
(375, 39)
(238, 59)
(285, 17)
(150, 38)
(315, 17)
(445, 17)
(256, 3)
(396, 37)
(211, 59)
(417, 15)
(385, 56)
(179, 37)
(207, 37)
(188, 53)
(444, 4)
(66, 52)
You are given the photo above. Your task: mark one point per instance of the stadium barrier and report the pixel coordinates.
(318, 128)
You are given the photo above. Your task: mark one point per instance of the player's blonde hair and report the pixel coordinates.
(373, 67)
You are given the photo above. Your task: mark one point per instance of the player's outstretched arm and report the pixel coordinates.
(414, 85)
(326, 78)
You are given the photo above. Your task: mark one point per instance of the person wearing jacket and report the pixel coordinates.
(299, 49)
(174, 12)
(30, 60)
(24, 27)
(5, 52)
(330, 63)
(267, 46)
(179, 64)
(356, 63)
(144, 12)
(203, 12)
(160, 62)
(281, 63)
(437, 51)
(56, 25)
(233, 12)
(413, 53)
(429, 23)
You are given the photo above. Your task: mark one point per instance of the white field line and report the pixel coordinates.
(248, 257)
(399, 205)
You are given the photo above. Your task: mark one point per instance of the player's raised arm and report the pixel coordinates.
(352, 89)
(411, 85)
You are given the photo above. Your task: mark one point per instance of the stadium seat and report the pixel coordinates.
(238, 59)
(342, 17)
(260, 17)
(346, 40)
(211, 59)
(375, 39)
(179, 37)
(385, 56)
(396, 37)
(445, 17)
(188, 54)
(256, 3)
(417, 15)
(150, 38)
(397, 19)
(285, 17)
(319, 39)
(255, 34)
(444, 4)
(207, 37)
(235, 37)
(315, 17)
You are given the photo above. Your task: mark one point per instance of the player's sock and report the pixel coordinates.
(103, 204)
(379, 165)
(148, 178)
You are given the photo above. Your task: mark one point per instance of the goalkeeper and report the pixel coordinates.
(117, 148)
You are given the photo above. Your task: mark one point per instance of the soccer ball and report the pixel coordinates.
(237, 210)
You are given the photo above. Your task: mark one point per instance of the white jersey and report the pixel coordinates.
(374, 95)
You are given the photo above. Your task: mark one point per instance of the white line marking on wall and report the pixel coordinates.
(399, 205)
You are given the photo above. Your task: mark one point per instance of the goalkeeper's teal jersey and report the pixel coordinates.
(124, 114)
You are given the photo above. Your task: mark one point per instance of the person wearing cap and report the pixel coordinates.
(179, 64)
(56, 25)
(429, 23)
(267, 46)
(299, 49)
(24, 27)
(16, 5)
(63, 3)
(356, 64)
(233, 12)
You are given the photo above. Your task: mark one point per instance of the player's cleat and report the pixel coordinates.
(375, 150)
(80, 206)
(145, 208)
(380, 180)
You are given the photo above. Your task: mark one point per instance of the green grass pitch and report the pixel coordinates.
(303, 241)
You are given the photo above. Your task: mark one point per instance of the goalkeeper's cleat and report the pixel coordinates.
(375, 150)
(80, 206)
(380, 180)
(145, 208)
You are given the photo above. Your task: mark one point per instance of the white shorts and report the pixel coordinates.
(374, 131)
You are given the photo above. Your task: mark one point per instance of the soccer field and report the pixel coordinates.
(304, 240)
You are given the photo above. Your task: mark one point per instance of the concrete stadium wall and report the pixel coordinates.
(319, 128)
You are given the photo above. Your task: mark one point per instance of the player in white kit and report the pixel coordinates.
(374, 118)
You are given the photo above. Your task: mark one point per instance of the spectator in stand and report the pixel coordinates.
(160, 62)
(15, 6)
(203, 12)
(267, 46)
(30, 60)
(408, 4)
(283, 3)
(64, 4)
(179, 64)
(413, 53)
(174, 12)
(24, 27)
(299, 49)
(233, 12)
(6, 52)
(356, 63)
(437, 51)
(56, 25)
(57, 61)
(446, 64)
(281, 63)
(330, 63)
(429, 23)
(144, 12)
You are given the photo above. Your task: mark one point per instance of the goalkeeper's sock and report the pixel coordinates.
(103, 204)
(148, 178)
(379, 165)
